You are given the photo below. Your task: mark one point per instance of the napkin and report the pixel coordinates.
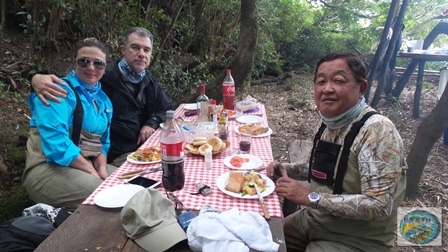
(230, 230)
(249, 103)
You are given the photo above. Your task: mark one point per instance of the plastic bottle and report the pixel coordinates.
(172, 141)
(208, 158)
(202, 103)
(228, 91)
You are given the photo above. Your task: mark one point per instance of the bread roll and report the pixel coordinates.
(223, 146)
(199, 139)
(190, 147)
(199, 143)
(203, 147)
(215, 142)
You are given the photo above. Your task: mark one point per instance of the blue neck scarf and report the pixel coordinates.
(128, 73)
(345, 118)
(89, 91)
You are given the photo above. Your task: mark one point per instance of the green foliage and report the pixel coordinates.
(193, 43)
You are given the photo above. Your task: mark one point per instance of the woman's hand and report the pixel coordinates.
(94, 173)
(102, 172)
(45, 87)
(84, 165)
(100, 164)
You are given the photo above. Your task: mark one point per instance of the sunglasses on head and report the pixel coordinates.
(85, 62)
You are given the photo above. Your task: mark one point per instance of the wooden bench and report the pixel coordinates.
(298, 151)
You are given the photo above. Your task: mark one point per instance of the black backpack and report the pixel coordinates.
(24, 233)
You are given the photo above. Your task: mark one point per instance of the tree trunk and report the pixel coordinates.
(428, 132)
(164, 27)
(243, 62)
(441, 27)
(384, 70)
(2, 25)
(380, 49)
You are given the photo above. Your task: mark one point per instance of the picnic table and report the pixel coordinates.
(94, 228)
(421, 57)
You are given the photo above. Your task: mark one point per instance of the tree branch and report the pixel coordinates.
(332, 5)
(419, 26)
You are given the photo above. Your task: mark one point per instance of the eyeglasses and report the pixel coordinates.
(177, 203)
(85, 62)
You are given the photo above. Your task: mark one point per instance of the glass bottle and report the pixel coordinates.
(202, 104)
(222, 125)
(212, 117)
(172, 140)
(228, 91)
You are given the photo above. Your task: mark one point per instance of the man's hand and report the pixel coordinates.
(145, 133)
(293, 190)
(43, 85)
(275, 170)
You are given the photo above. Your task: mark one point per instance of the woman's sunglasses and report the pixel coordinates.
(85, 62)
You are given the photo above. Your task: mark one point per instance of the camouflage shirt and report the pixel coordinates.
(378, 153)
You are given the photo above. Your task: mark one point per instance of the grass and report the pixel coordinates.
(12, 202)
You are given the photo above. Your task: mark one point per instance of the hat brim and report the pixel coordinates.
(162, 239)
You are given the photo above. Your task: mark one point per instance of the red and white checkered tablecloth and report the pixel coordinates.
(195, 171)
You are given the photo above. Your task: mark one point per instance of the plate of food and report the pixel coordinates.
(200, 144)
(249, 119)
(254, 129)
(148, 155)
(191, 106)
(243, 162)
(116, 196)
(239, 184)
(230, 113)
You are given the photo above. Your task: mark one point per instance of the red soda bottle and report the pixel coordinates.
(172, 140)
(228, 91)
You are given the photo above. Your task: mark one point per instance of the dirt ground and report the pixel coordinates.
(290, 109)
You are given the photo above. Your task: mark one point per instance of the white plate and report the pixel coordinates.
(249, 119)
(224, 178)
(190, 106)
(253, 164)
(267, 133)
(140, 162)
(116, 196)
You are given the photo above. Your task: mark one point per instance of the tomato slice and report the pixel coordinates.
(238, 161)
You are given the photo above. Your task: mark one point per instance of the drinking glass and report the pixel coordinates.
(238, 109)
(244, 141)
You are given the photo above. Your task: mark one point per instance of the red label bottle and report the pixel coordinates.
(228, 91)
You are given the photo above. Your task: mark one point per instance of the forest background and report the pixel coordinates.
(195, 41)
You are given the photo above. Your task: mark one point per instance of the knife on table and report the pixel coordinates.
(263, 206)
(131, 174)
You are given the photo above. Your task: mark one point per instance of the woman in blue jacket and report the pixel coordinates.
(61, 171)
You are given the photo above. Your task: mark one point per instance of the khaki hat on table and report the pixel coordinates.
(150, 220)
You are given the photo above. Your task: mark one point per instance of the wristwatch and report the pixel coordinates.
(314, 198)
